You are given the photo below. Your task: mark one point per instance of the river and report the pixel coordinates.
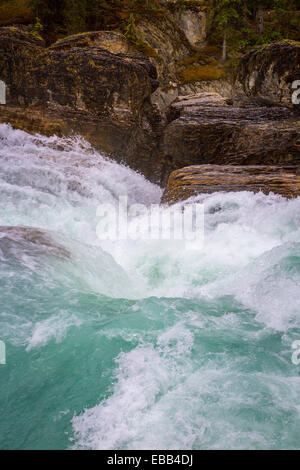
(122, 344)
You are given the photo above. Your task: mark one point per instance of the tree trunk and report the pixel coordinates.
(260, 21)
(224, 49)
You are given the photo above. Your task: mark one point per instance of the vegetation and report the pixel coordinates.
(235, 26)
(239, 25)
(195, 73)
(65, 17)
(16, 12)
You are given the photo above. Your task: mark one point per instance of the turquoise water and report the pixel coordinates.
(141, 345)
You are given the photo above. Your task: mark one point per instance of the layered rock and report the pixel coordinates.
(198, 179)
(193, 23)
(257, 125)
(265, 75)
(190, 104)
(207, 129)
(98, 85)
(174, 38)
(83, 88)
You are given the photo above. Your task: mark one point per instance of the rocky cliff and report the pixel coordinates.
(207, 129)
(99, 85)
(92, 84)
(266, 74)
(201, 179)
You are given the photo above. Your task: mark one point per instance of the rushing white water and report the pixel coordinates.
(135, 344)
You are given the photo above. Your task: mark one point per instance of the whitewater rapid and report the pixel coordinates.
(141, 344)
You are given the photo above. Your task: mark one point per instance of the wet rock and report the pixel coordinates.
(207, 129)
(113, 42)
(265, 75)
(29, 239)
(194, 180)
(78, 86)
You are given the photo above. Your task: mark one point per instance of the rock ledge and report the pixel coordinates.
(197, 179)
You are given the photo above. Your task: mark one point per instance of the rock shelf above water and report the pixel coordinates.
(197, 179)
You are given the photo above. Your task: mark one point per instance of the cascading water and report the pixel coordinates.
(135, 345)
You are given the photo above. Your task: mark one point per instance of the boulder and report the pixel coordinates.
(198, 179)
(86, 78)
(206, 129)
(265, 75)
(79, 86)
(194, 24)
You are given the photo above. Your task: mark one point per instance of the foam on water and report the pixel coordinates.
(135, 344)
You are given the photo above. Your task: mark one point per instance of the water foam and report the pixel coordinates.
(175, 348)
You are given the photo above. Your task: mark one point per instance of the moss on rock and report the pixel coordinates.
(196, 73)
(266, 73)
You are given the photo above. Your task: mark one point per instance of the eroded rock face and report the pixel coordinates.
(193, 23)
(194, 180)
(207, 129)
(174, 35)
(265, 75)
(84, 78)
(78, 86)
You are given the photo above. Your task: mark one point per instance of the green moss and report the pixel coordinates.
(37, 29)
(144, 48)
(25, 32)
(197, 73)
(265, 47)
(71, 36)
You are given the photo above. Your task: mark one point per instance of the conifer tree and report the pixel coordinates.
(224, 13)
